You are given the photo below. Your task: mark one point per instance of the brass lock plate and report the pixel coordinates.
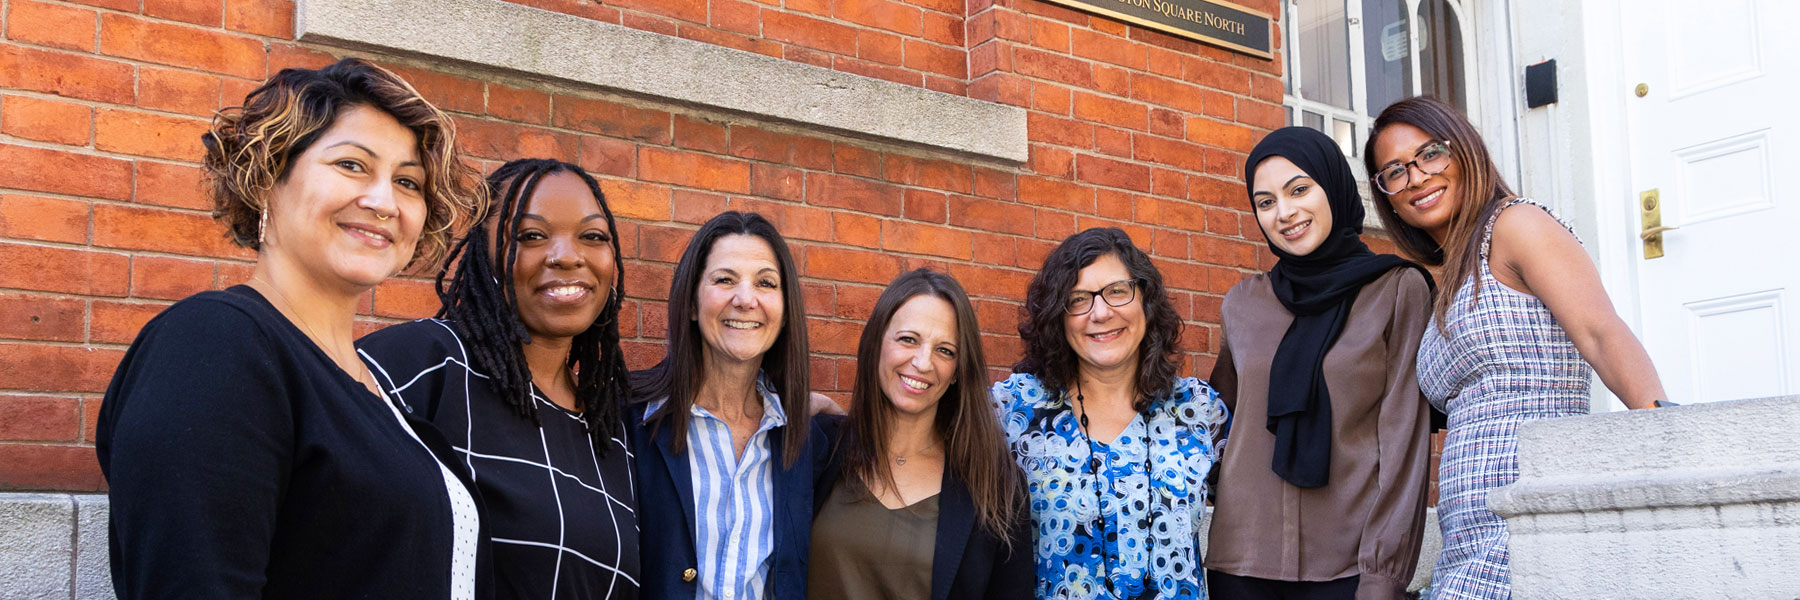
(1650, 210)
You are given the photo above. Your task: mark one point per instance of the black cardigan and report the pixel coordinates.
(243, 463)
(968, 562)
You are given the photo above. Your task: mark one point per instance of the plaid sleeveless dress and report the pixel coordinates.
(1499, 360)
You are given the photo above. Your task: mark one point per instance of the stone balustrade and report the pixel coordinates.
(1699, 501)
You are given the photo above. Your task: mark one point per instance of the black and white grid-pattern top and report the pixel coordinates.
(563, 518)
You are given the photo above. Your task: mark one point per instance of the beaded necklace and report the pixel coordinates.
(1108, 558)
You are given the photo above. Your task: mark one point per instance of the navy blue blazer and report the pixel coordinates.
(968, 562)
(666, 535)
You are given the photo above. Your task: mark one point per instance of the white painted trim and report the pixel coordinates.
(1615, 241)
(1494, 103)
(522, 39)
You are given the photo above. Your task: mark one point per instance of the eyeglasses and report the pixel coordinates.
(1430, 160)
(1117, 293)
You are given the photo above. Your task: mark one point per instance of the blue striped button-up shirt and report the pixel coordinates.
(734, 501)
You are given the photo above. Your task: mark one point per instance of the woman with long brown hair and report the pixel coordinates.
(726, 449)
(925, 503)
(1521, 317)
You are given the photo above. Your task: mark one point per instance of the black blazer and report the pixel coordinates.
(666, 535)
(968, 563)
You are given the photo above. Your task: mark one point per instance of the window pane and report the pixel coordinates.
(1440, 58)
(1314, 120)
(1324, 52)
(1387, 59)
(1344, 133)
(1290, 115)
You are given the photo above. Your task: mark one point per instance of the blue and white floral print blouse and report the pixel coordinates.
(1147, 520)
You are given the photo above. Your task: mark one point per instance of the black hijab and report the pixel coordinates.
(1318, 289)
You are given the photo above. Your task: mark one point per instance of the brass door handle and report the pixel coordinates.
(1655, 231)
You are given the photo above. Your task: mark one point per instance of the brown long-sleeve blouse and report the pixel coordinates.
(1368, 520)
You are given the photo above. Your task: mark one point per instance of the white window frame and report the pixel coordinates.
(1359, 112)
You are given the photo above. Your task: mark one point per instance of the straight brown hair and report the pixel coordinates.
(787, 364)
(1481, 191)
(975, 451)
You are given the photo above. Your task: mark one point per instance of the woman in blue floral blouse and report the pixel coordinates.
(1114, 444)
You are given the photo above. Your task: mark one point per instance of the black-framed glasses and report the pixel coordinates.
(1430, 160)
(1117, 293)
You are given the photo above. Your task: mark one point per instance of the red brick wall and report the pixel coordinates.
(102, 223)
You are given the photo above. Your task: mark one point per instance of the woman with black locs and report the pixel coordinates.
(522, 371)
(1317, 361)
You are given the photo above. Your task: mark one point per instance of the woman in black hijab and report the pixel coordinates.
(1322, 489)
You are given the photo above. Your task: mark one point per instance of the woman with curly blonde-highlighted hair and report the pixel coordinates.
(251, 148)
(248, 449)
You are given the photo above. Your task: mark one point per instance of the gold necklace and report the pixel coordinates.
(364, 377)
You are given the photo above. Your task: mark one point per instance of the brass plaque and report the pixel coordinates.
(1208, 21)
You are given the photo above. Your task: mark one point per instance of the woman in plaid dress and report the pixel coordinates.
(1512, 343)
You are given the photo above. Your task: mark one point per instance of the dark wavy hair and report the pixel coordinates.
(975, 451)
(1048, 356)
(787, 364)
(480, 302)
(1483, 191)
(252, 147)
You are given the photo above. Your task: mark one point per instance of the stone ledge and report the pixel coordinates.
(54, 546)
(1699, 501)
(497, 34)
(1690, 437)
(1697, 455)
(1632, 490)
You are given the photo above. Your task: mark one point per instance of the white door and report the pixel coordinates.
(1717, 133)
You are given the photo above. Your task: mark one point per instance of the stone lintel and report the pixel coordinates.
(502, 35)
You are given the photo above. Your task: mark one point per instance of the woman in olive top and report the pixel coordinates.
(1322, 492)
(926, 503)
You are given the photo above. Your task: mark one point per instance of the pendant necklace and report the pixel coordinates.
(901, 460)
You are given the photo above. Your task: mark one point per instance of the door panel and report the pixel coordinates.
(1712, 47)
(1738, 346)
(1715, 134)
